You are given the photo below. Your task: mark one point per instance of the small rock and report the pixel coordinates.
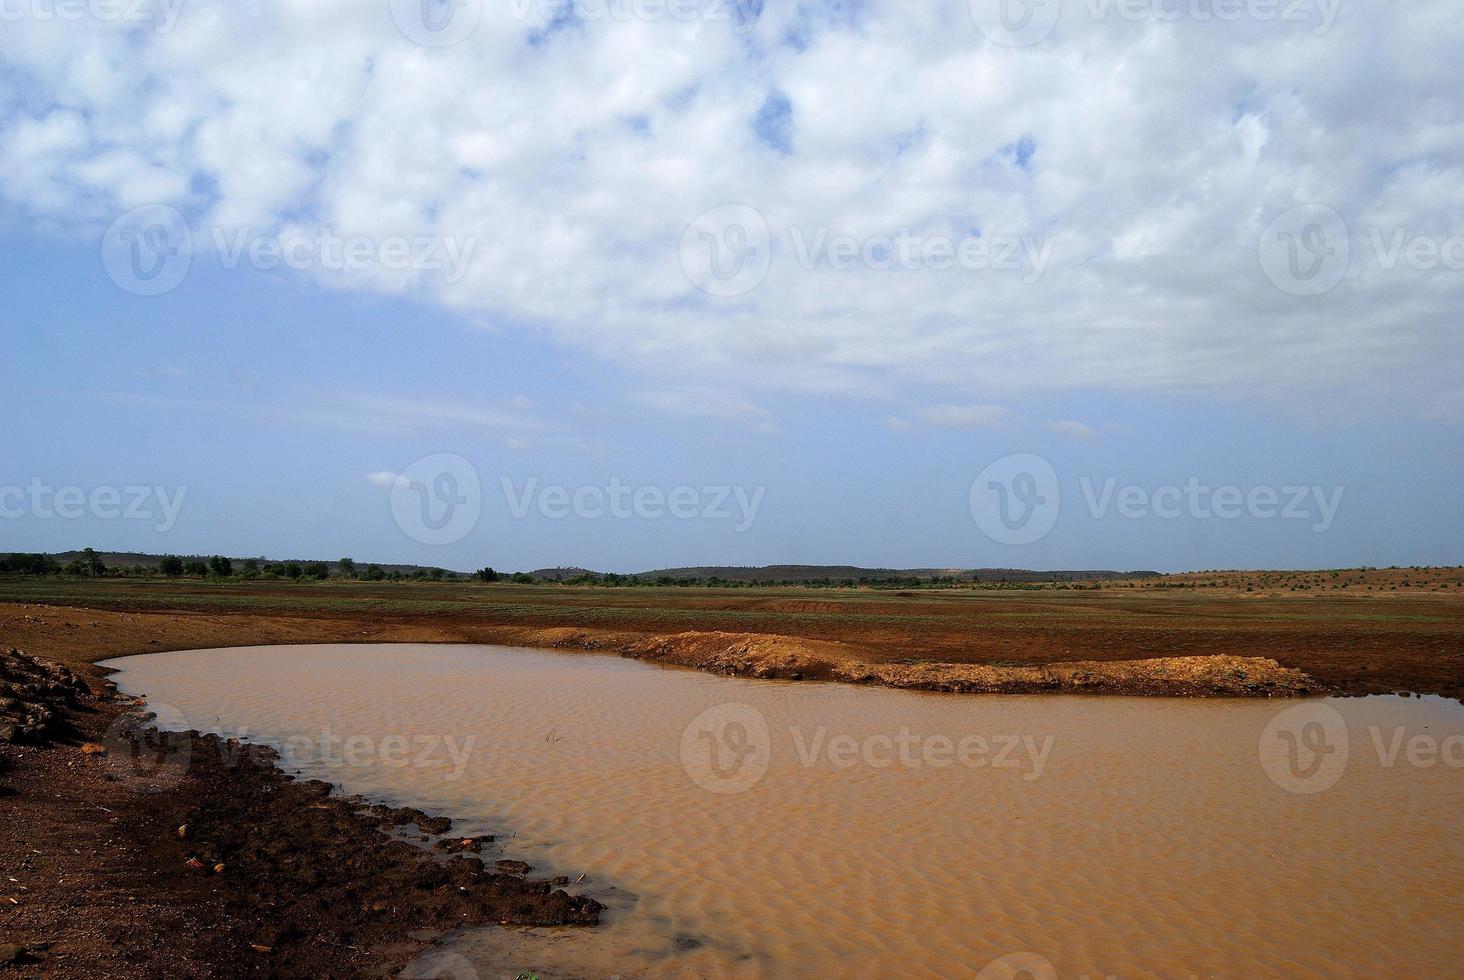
(93, 748)
(183, 832)
(195, 864)
(512, 867)
(433, 825)
(218, 869)
(11, 953)
(261, 949)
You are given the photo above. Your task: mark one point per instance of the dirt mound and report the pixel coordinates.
(795, 659)
(1217, 676)
(36, 698)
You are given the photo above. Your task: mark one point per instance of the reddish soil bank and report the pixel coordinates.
(125, 852)
(1350, 632)
(1044, 650)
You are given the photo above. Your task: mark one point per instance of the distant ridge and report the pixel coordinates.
(842, 573)
(763, 574)
(136, 559)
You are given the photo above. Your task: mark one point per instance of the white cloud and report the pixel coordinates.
(167, 372)
(966, 416)
(382, 478)
(897, 424)
(1068, 427)
(363, 412)
(577, 163)
(707, 402)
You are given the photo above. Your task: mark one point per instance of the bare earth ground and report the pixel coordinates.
(93, 879)
(1345, 632)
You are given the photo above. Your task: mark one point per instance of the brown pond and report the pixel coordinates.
(756, 828)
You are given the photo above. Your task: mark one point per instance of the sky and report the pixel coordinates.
(649, 283)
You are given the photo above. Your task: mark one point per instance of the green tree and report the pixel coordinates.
(221, 566)
(487, 575)
(348, 567)
(94, 564)
(171, 565)
(317, 569)
(196, 567)
(293, 569)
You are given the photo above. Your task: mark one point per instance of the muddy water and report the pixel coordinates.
(755, 828)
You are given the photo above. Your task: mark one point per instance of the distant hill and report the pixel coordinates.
(766, 574)
(841, 573)
(131, 559)
(561, 574)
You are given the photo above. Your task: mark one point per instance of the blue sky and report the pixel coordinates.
(813, 278)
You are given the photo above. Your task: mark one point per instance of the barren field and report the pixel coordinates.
(1347, 632)
(97, 878)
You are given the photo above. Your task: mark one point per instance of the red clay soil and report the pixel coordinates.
(96, 881)
(1154, 640)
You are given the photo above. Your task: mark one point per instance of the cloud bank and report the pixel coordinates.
(914, 203)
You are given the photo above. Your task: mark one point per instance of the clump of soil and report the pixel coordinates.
(35, 698)
(130, 852)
